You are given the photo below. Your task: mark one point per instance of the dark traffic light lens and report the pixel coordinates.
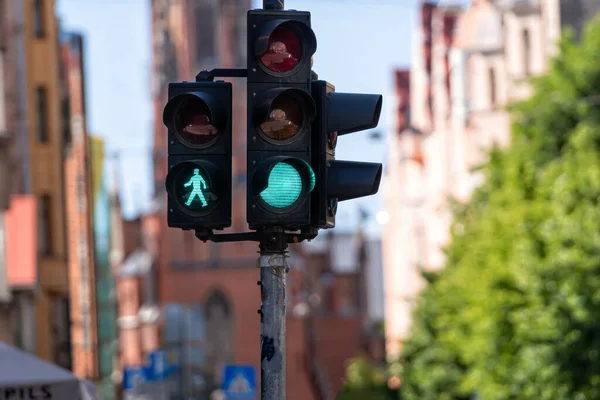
(285, 186)
(194, 123)
(193, 189)
(284, 51)
(284, 119)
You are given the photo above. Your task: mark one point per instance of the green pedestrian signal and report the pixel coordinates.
(193, 188)
(198, 118)
(198, 184)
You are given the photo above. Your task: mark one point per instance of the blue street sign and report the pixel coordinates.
(161, 366)
(133, 376)
(239, 382)
(158, 365)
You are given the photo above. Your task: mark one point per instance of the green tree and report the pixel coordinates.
(516, 312)
(366, 381)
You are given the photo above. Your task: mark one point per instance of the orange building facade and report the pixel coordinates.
(37, 313)
(79, 220)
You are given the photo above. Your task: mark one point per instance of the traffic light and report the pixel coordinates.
(280, 178)
(198, 183)
(339, 114)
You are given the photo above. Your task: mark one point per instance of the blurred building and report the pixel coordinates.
(6, 171)
(106, 250)
(78, 191)
(336, 279)
(206, 290)
(33, 190)
(134, 249)
(468, 64)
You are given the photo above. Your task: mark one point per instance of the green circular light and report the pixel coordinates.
(284, 186)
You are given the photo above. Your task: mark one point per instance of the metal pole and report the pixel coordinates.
(273, 269)
(273, 4)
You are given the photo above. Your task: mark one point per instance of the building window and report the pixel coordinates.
(66, 120)
(60, 335)
(240, 33)
(42, 113)
(219, 334)
(206, 33)
(3, 39)
(45, 225)
(492, 84)
(38, 18)
(81, 193)
(526, 52)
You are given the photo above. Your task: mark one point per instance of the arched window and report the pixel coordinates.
(219, 333)
(526, 52)
(492, 84)
(207, 30)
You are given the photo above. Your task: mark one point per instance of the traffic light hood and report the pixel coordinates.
(351, 179)
(351, 112)
(218, 116)
(305, 33)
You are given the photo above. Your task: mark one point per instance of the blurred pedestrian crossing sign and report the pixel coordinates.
(133, 377)
(239, 382)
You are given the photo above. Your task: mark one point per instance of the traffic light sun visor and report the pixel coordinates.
(351, 179)
(353, 112)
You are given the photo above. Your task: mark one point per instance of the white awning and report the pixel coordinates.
(24, 376)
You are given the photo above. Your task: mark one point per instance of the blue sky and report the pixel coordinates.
(360, 42)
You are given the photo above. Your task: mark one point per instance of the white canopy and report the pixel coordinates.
(25, 377)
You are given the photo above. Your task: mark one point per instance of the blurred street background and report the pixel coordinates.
(474, 273)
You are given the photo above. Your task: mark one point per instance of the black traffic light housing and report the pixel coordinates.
(198, 183)
(279, 121)
(339, 114)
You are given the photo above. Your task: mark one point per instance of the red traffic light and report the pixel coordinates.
(283, 47)
(284, 50)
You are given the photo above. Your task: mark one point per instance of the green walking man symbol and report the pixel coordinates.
(198, 183)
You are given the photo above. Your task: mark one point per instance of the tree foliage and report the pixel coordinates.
(366, 381)
(516, 312)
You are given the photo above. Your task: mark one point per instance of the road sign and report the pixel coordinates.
(133, 377)
(158, 365)
(239, 382)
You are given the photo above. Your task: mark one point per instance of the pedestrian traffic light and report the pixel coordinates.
(339, 114)
(279, 121)
(198, 183)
